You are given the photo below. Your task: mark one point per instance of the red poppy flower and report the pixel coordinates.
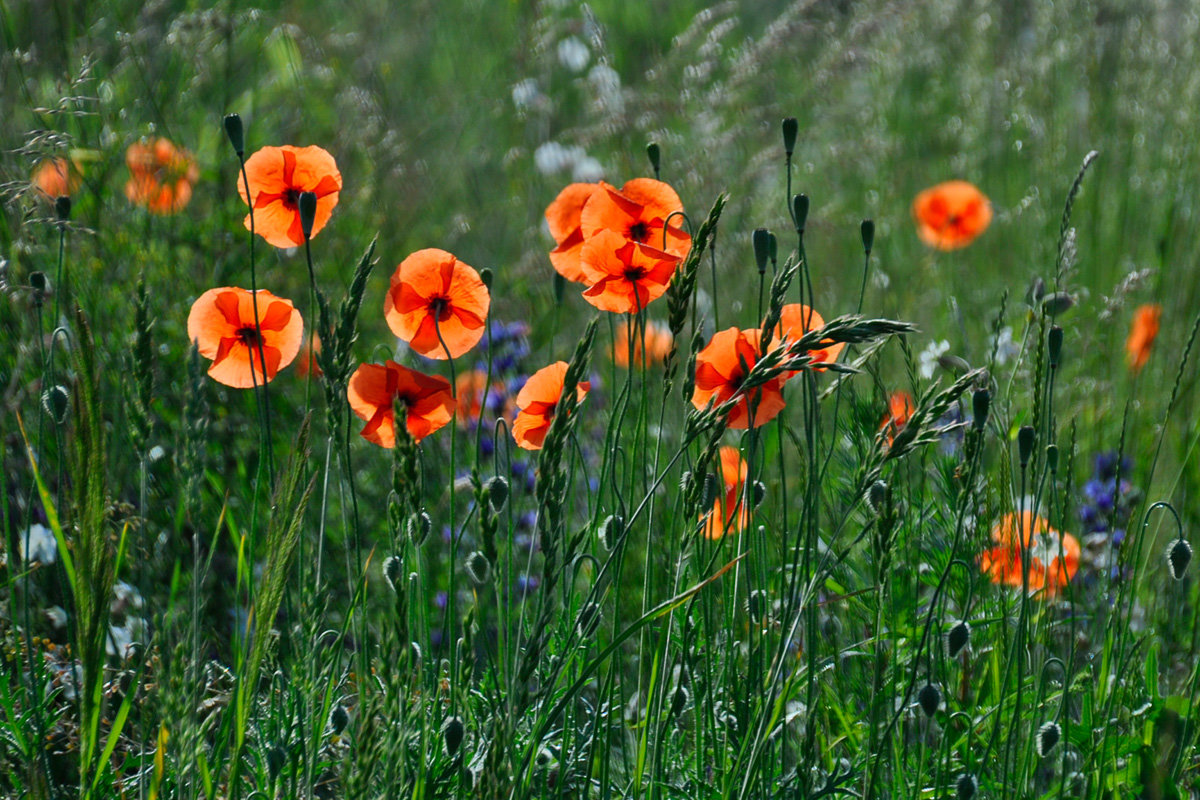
(625, 276)
(729, 513)
(471, 389)
(433, 285)
(797, 319)
(1053, 556)
(658, 341)
(374, 389)
(638, 212)
(538, 400)
(951, 214)
(900, 408)
(563, 218)
(221, 324)
(161, 176)
(307, 362)
(722, 367)
(1142, 333)
(54, 178)
(277, 176)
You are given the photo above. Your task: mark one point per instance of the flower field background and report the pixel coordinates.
(654, 400)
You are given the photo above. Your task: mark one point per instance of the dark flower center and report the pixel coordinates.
(639, 232)
(440, 308)
(291, 197)
(635, 274)
(248, 336)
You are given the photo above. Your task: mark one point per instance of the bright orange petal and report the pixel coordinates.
(951, 215)
(563, 214)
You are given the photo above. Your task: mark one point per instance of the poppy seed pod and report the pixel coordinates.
(233, 129)
(1054, 346)
(981, 400)
(339, 718)
(930, 699)
(56, 400)
(759, 239)
(276, 758)
(800, 211)
(758, 493)
(40, 283)
(1052, 457)
(419, 526)
(1025, 438)
(487, 276)
(611, 531)
(791, 127)
(679, 700)
(868, 235)
(958, 637)
(497, 489)
(654, 153)
(1057, 303)
(966, 786)
(62, 208)
(308, 213)
(452, 735)
(1178, 558)
(393, 570)
(1047, 737)
(478, 567)
(588, 620)
(879, 497)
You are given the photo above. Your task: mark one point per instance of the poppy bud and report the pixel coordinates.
(756, 606)
(308, 212)
(760, 249)
(1057, 303)
(62, 208)
(1055, 345)
(1035, 292)
(800, 211)
(1178, 558)
(955, 364)
(981, 400)
(758, 493)
(419, 526)
(966, 786)
(393, 568)
(958, 638)
(339, 718)
(1052, 457)
(276, 758)
(930, 699)
(790, 128)
(654, 153)
(611, 531)
(589, 618)
(487, 276)
(1024, 445)
(497, 489)
(1047, 737)
(233, 129)
(452, 735)
(868, 235)
(879, 497)
(710, 490)
(478, 567)
(39, 282)
(56, 401)
(679, 700)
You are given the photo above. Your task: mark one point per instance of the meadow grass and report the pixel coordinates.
(955, 564)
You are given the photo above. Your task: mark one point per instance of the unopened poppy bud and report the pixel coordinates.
(710, 490)
(1057, 303)
(654, 153)
(393, 571)
(487, 276)
(1047, 737)
(791, 127)
(1178, 558)
(760, 249)
(1052, 457)
(1024, 445)
(308, 212)
(62, 208)
(478, 567)
(879, 497)
(452, 735)
(800, 211)
(39, 282)
(1054, 346)
(966, 786)
(756, 606)
(758, 493)
(679, 700)
(868, 235)
(930, 699)
(339, 718)
(497, 489)
(1035, 292)
(958, 638)
(419, 526)
(981, 400)
(611, 531)
(589, 618)
(276, 758)
(955, 364)
(233, 129)
(56, 400)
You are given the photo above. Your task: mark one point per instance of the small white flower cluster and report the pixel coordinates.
(928, 360)
(552, 158)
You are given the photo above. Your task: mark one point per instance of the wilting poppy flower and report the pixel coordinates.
(900, 408)
(658, 341)
(1142, 334)
(1053, 556)
(625, 276)
(638, 212)
(54, 178)
(797, 319)
(277, 176)
(432, 285)
(161, 176)
(563, 218)
(722, 367)
(374, 389)
(221, 324)
(729, 513)
(537, 402)
(307, 362)
(951, 214)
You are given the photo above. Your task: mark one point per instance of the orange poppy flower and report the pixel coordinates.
(221, 324)
(161, 176)
(638, 212)
(374, 389)
(308, 359)
(54, 178)
(1053, 556)
(433, 285)
(900, 408)
(278, 175)
(625, 276)
(729, 513)
(797, 319)
(471, 390)
(951, 214)
(563, 218)
(722, 366)
(537, 402)
(1142, 334)
(658, 341)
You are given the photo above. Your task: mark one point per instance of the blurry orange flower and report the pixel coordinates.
(951, 214)
(432, 285)
(638, 212)
(1053, 556)
(161, 176)
(658, 342)
(308, 359)
(374, 389)
(471, 390)
(54, 178)
(563, 218)
(722, 367)
(729, 513)
(797, 319)
(537, 402)
(625, 276)
(221, 324)
(1142, 334)
(277, 176)
(900, 408)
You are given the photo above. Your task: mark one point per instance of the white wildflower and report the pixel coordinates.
(573, 54)
(39, 545)
(929, 357)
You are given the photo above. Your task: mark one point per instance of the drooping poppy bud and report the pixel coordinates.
(760, 249)
(800, 211)
(1025, 438)
(1047, 737)
(233, 129)
(479, 569)
(966, 786)
(497, 488)
(339, 718)
(867, 230)
(1178, 558)
(980, 403)
(958, 638)
(588, 620)
(452, 735)
(62, 207)
(654, 153)
(930, 699)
